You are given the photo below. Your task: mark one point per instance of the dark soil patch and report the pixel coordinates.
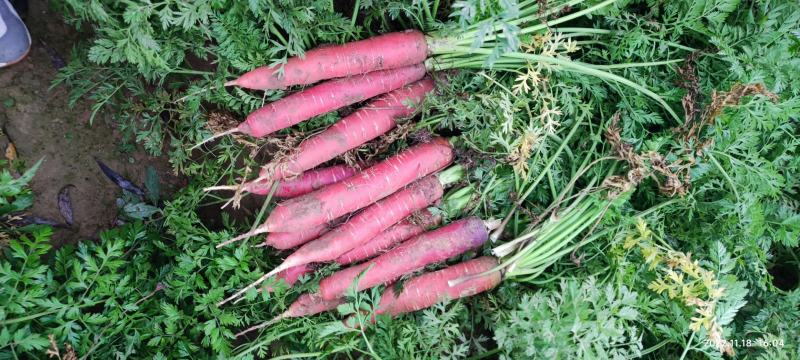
(786, 276)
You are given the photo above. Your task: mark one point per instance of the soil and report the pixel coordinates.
(41, 125)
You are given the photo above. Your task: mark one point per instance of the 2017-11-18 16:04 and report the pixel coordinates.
(758, 342)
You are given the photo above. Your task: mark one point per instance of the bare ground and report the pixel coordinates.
(42, 126)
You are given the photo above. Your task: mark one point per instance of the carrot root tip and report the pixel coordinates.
(226, 204)
(493, 224)
(220, 187)
(215, 136)
(259, 230)
(242, 291)
(277, 270)
(262, 325)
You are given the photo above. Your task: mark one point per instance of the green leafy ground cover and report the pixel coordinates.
(696, 254)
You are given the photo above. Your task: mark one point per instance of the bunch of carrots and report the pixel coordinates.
(375, 221)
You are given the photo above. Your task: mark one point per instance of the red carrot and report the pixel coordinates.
(412, 255)
(309, 304)
(367, 224)
(381, 52)
(429, 289)
(288, 240)
(363, 189)
(378, 217)
(365, 124)
(289, 188)
(305, 305)
(392, 236)
(358, 191)
(321, 99)
(305, 183)
(327, 97)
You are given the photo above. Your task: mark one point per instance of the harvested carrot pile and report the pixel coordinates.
(368, 205)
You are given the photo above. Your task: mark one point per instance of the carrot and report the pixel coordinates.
(417, 293)
(305, 305)
(321, 99)
(288, 240)
(429, 289)
(398, 233)
(358, 191)
(412, 255)
(392, 236)
(365, 124)
(309, 304)
(422, 221)
(381, 52)
(308, 182)
(367, 224)
(305, 183)
(289, 188)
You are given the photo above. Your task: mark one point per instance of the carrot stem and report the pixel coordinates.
(499, 231)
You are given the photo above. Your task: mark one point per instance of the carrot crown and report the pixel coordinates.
(451, 175)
